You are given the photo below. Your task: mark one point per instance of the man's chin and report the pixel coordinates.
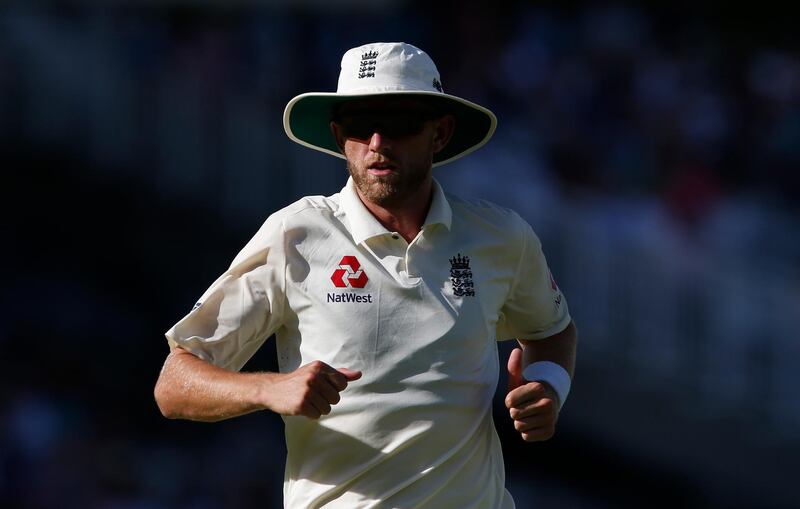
(381, 195)
(383, 190)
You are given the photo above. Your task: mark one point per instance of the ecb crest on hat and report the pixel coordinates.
(367, 67)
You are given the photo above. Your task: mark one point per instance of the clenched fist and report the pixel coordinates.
(532, 405)
(310, 390)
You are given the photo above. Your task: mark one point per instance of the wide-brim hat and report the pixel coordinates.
(382, 68)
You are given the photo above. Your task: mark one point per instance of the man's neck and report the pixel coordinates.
(405, 218)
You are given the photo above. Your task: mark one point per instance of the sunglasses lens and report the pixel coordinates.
(392, 125)
(358, 127)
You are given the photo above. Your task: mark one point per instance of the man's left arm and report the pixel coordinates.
(534, 405)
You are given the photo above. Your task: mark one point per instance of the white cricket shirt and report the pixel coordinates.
(419, 320)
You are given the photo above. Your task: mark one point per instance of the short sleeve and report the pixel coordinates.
(535, 307)
(243, 307)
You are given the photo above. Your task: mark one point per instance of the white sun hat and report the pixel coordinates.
(387, 68)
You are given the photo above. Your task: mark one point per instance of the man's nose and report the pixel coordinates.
(377, 141)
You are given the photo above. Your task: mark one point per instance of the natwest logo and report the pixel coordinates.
(349, 274)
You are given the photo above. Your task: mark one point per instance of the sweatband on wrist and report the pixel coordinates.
(552, 373)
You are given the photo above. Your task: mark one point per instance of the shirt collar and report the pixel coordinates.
(363, 224)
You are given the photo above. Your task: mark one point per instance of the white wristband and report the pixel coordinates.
(553, 374)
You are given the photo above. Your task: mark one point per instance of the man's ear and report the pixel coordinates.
(337, 135)
(445, 128)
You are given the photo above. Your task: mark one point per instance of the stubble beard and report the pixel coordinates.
(392, 190)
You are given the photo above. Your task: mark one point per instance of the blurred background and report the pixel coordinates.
(654, 149)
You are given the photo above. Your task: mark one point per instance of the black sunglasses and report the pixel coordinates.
(396, 124)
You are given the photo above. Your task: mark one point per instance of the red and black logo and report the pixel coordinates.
(553, 284)
(554, 287)
(349, 274)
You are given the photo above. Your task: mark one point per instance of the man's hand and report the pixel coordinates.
(192, 388)
(532, 405)
(310, 390)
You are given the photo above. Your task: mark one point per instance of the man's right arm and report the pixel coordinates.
(191, 388)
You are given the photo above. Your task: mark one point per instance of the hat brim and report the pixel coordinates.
(307, 118)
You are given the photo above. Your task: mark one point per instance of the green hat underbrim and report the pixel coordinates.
(307, 118)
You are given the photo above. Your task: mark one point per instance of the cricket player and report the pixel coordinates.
(386, 300)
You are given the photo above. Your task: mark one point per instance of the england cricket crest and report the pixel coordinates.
(461, 276)
(368, 63)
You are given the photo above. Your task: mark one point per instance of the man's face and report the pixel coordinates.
(389, 145)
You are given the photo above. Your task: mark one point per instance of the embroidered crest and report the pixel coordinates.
(437, 84)
(461, 276)
(367, 67)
